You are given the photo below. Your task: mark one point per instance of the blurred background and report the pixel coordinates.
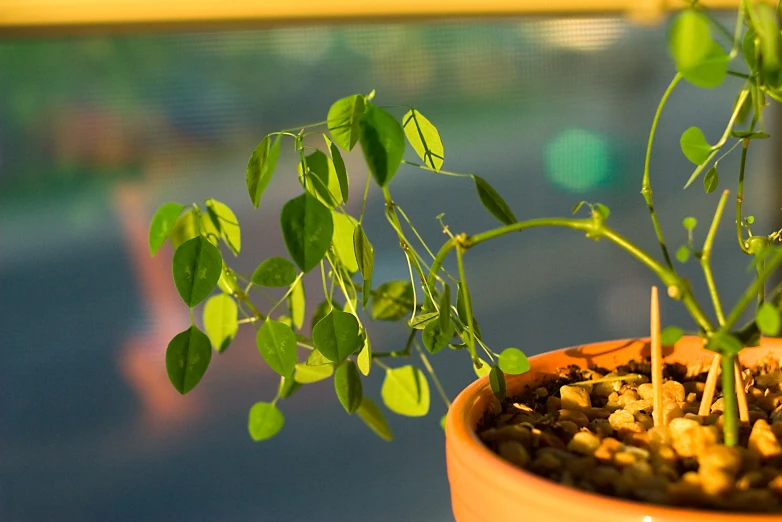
(98, 129)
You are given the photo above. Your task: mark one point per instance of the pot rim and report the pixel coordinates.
(472, 449)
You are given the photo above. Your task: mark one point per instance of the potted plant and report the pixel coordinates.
(529, 432)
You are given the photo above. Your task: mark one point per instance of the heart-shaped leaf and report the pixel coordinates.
(513, 361)
(266, 420)
(336, 335)
(307, 374)
(322, 180)
(275, 272)
(497, 382)
(260, 168)
(347, 384)
(277, 345)
(694, 145)
(344, 230)
(220, 320)
(343, 120)
(197, 266)
(298, 304)
(435, 337)
(307, 228)
(405, 391)
(365, 254)
(339, 169)
(424, 138)
(187, 358)
(711, 70)
(382, 142)
(711, 180)
(162, 223)
(364, 358)
(671, 335)
(689, 40)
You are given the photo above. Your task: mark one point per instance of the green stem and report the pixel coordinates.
(467, 303)
(771, 263)
(730, 403)
(678, 288)
(435, 380)
(646, 187)
(740, 197)
(706, 258)
(399, 353)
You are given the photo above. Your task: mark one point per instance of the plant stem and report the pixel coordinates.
(646, 187)
(740, 197)
(678, 288)
(706, 258)
(435, 380)
(772, 262)
(467, 304)
(730, 408)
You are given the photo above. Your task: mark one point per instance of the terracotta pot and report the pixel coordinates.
(486, 488)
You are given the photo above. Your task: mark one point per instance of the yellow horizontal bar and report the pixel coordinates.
(22, 14)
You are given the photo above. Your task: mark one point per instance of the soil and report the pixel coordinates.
(601, 437)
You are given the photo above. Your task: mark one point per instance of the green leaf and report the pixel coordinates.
(442, 421)
(749, 50)
(307, 374)
(298, 304)
(711, 71)
(382, 142)
(322, 179)
(288, 387)
(750, 219)
(347, 384)
(420, 321)
(671, 335)
(364, 359)
(768, 320)
(392, 301)
(513, 361)
(336, 335)
(373, 417)
(266, 420)
(343, 120)
(307, 228)
(162, 223)
(366, 293)
(768, 38)
(578, 206)
(260, 168)
(711, 180)
(221, 320)
(424, 139)
(226, 224)
(275, 272)
(445, 307)
(694, 145)
(602, 210)
(197, 268)
(227, 281)
(435, 337)
(682, 254)
(323, 308)
(339, 169)
(405, 391)
(725, 343)
(689, 223)
(187, 359)
(185, 228)
(749, 135)
(483, 370)
(365, 254)
(493, 202)
(689, 40)
(344, 230)
(315, 358)
(497, 382)
(277, 345)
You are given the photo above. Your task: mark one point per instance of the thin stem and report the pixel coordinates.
(706, 258)
(740, 197)
(678, 288)
(399, 353)
(435, 380)
(246, 300)
(772, 262)
(326, 295)
(381, 363)
(730, 404)
(646, 187)
(364, 200)
(443, 172)
(467, 304)
(284, 297)
(320, 123)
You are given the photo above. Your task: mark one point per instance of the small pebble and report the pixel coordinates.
(763, 441)
(584, 443)
(514, 452)
(673, 391)
(576, 417)
(620, 418)
(574, 398)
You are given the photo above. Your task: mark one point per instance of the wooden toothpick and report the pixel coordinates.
(657, 359)
(741, 393)
(711, 385)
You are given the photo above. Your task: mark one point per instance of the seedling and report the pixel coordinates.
(435, 305)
